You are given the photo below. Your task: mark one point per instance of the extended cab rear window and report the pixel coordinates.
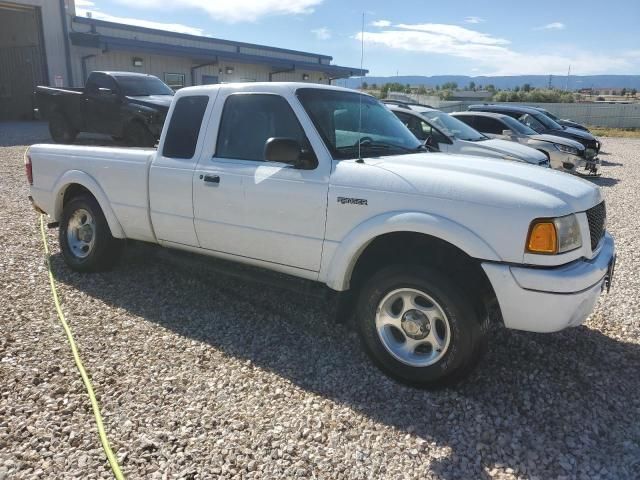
(184, 127)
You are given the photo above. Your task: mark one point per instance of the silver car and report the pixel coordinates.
(563, 153)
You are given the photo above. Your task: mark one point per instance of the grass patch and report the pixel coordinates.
(615, 132)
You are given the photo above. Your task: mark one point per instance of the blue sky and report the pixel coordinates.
(414, 37)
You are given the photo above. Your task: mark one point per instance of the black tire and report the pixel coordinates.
(467, 332)
(60, 129)
(105, 250)
(138, 135)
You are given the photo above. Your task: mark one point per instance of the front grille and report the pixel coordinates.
(597, 219)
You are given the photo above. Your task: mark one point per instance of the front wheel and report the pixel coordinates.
(85, 238)
(418, 326)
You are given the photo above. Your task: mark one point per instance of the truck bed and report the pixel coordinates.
(120, 174)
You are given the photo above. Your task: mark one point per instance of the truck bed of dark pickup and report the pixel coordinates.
(125, 105)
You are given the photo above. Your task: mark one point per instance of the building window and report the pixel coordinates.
(174, 80)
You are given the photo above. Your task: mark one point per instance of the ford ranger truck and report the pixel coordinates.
(326, 184)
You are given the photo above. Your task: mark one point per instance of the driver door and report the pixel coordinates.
(244, 206)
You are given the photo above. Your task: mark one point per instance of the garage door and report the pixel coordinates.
(22, 61)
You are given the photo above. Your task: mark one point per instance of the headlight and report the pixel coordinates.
(566, 149)
(550, 236)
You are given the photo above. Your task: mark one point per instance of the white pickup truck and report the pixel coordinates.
(326, 184)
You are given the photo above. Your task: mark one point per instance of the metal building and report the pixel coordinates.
(43, 42)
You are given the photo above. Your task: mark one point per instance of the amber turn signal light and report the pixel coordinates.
(543, 238)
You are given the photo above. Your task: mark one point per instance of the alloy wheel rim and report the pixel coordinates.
(81, 233)
(413, 327)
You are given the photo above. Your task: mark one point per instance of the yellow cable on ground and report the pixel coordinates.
(113, 461)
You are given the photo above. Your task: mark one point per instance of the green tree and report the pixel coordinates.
(472, 85)
(623, 92)
(526, 87)
(374, 86)
(490, 88)
(365, 85)
(633, 92)
(422, 90)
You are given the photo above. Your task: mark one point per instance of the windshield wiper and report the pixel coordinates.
(389, 146)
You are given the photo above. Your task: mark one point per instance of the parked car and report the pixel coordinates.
(564, 154)
(542, 124)
(444, 133)
(563, 122)
(125, 105)
(326, 184)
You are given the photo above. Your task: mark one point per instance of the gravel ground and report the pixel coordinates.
(201, 375)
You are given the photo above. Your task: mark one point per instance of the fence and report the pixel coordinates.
(617, 115)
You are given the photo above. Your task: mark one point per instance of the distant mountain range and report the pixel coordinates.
(576, 82)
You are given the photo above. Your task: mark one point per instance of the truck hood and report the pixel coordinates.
(582, 134)
(490, 182)
(160, 102)
(503, 148)
(560, 140)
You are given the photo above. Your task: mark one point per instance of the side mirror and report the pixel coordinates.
(507, 132)
(288, 150)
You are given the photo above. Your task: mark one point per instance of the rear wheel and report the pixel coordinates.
(138, 135)
(418, 326)
(60, 129)
(85, 238)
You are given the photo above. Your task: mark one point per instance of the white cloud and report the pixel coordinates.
(473, 19)
(493, 55)
(381, 23)
(552, 26)
(232, 11)
(80, 4)
(322, 33)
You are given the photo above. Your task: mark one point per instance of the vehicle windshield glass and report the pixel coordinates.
(346, 120)
(549, 114)
(452, 126)
(547, 122)
(517, 127)
(135, 86)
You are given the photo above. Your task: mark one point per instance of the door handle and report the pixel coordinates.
(211, 179)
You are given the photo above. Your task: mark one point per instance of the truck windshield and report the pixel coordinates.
(350, 123)
(517, 127)
(452, 126)
(135, 86)
(547, 121)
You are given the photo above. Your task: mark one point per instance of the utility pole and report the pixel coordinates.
(568, 75)
(550, 77)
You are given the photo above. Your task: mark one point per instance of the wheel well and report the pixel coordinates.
(75, 190)
(545, 153)
(417, 248)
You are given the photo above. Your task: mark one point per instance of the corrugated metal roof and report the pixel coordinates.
(106, 43)
(96, 23)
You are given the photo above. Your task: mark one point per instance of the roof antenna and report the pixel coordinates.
(360, 95)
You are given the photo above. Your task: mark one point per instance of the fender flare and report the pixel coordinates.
(81, 178)
(337, 274)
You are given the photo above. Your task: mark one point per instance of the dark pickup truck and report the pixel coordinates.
(125, 105)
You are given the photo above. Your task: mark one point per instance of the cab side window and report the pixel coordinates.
(99, 81)
(420, 129)
(249, 120)
(184, 129)
(489, 125)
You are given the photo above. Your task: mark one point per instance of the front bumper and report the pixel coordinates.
(551, 299)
